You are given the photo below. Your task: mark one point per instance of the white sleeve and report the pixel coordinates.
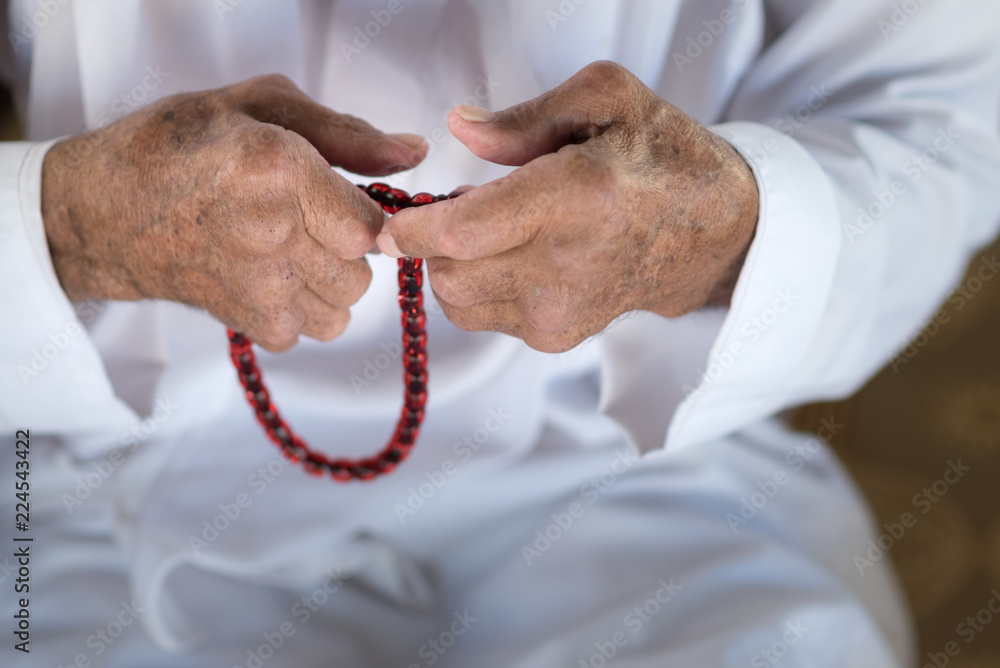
(52, 379)
(872, 134)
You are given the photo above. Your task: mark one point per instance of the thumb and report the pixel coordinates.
(515, 136)
(343, 140)
(580, 108)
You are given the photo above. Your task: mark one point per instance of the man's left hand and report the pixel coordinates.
(621, 202)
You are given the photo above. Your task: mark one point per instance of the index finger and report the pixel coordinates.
(337, 214)
(496, 217)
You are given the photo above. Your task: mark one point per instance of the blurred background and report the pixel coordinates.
(938, 402)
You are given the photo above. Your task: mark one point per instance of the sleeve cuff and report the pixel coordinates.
(780, 298)
(53, 378)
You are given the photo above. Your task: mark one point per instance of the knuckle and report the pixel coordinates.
(272, 287)
(257, 180)
(543, 318)
(348, 226)
(356, 240)
(276, 79)
(607, 75)
(280, 328)
(356, 280)
(547, 310)
(276, 347)
(266, 82)
(266, 149)
(452, 284)
(259, 160)
(272, 98)
(330, 325)
(549, 343)
(267, 235)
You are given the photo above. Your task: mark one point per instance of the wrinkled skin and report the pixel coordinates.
(224, 200)
(621, 202)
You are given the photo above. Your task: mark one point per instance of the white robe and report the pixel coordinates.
(833, 103)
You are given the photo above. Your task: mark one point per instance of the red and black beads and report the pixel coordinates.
(414, 322)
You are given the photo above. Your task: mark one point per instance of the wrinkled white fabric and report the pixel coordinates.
(823, 299)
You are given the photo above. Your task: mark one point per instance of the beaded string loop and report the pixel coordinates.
(414, 322)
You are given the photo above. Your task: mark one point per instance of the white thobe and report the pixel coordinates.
(523, 530)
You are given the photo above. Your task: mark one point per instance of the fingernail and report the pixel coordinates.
(388, 245)
(474, 114)
(416, 142)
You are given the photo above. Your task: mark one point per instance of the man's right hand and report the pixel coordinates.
(224, 200)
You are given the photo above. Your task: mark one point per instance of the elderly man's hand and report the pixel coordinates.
(623, 202)
(224, 200)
